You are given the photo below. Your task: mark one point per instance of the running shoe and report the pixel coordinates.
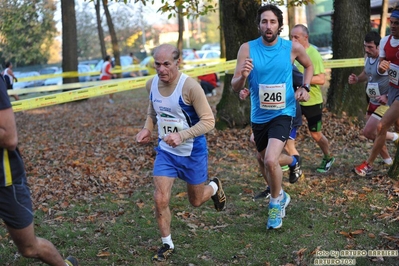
(325, 165)
(383, 164)
(274, 220)
(284, 203)
(285, 168)
(163, 253)
(364, 169)
(264, 194)
(219, 199)
(295, 171)
(71, 261)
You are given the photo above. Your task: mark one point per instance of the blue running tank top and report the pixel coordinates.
(270, 81)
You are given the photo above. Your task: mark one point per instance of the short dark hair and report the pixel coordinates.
(8, 63)
(176, 54)
(373, 36)
(107, 57)
(270, 7)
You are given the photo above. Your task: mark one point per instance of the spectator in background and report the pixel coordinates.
(10, 78)
(196, 56)
(106, 73)
(15, 202)
(209, 82)
(135, 60)
(151, 66)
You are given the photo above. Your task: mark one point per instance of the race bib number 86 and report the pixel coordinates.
(372, 90)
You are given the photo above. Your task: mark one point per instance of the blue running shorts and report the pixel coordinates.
(293, 133)
(192, 169)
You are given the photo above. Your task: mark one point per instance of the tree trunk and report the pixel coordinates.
(350, 25)
(222, 40)
(112, 33)
(384, 16)
(239, 27)
(69, 39)
(291, 18)
(100, 29)
(181, 28)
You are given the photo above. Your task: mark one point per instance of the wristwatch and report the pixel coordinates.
(306, 87)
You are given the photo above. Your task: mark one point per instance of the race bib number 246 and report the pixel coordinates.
(272, 97)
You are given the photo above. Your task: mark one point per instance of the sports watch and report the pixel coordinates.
(306, 87)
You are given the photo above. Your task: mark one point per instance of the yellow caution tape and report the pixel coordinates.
(106, 87)
(337, 63)
(340, 63)
(73, 74)
(100, 88)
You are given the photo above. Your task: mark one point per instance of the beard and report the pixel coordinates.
(270, 39)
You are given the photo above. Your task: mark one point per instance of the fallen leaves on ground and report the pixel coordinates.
(76, 151)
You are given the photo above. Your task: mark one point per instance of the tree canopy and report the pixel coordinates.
(27, 30)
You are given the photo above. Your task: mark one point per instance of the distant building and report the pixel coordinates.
(319, 17)
(325, 15)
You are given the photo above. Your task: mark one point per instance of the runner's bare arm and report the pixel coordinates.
(243, 68)
(299, 53)
(8, 130)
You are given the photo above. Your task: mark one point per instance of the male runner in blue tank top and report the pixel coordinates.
(267, 64)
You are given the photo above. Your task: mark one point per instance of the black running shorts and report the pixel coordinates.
(16, 206)
(277, 128)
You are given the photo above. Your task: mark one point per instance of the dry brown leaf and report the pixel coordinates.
(362, 197)
(315, 250)
(357, 232)
(345, 234)
(301, 251)
(181, 195)
(367, 189)
(184, 215)
(140, 205)
(103, 254)
(248, 191)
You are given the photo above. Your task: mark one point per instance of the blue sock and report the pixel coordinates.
(294, 161)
